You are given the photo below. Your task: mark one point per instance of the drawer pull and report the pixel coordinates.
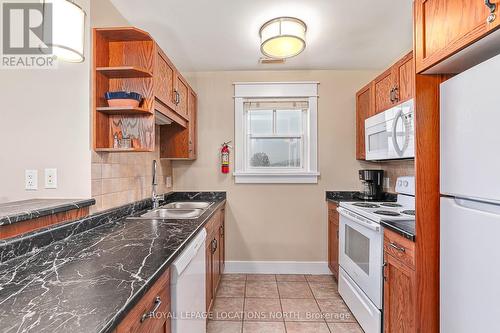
(399, 248)
(152, 313)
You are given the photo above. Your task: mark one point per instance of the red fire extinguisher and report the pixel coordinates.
(224, 154)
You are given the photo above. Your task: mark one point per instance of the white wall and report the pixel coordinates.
(271, 222)
(45, 123)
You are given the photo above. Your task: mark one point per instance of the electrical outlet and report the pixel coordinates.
(168, 181)
(31, 180)
(51, 178)
(387, 182)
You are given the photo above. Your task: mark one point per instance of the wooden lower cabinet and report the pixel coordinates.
(399, 284)
(141, 319)
(333, 239)
(214, 255)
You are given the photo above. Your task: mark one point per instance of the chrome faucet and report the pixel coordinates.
(155, 197)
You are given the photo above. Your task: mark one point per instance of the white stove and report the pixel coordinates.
(361, 251)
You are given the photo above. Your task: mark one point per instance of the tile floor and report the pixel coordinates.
(280, 304)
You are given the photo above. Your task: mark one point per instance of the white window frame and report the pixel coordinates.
(246, 91)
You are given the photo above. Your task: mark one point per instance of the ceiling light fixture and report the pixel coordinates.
(68, 30)
(283, 37)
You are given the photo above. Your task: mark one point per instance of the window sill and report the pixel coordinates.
(275, 178)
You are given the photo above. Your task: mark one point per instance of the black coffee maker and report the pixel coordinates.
(372, 184)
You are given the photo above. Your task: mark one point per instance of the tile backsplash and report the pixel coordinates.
(120, 178)
(395, 169)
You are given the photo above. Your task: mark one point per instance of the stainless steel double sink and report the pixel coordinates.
(178, 210)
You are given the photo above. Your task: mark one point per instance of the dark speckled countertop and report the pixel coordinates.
(338, 196)
(403, 228)
(17, 211)
(84, 276)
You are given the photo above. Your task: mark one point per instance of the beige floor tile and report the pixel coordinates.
(335, 310)
(263, 309)
(324, 290)
(224, 326)
(290, 278)
(262, 289)
(228, 308)
(294, 290)
(231, 289)
(261, 277)
(296, 327)
(263, 327)
(234, 277)
(345, 328)
(320, 278)
(301, 310)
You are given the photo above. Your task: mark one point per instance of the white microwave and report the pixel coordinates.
(390, 135)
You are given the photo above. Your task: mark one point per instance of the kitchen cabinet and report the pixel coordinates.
(214, 255)
(364, 109)
(145, 315)
(444, 27)
(399, 284)
(333, 239)
(394, 86)
(165, 80)
(128, 59)
(384, 91)
(178, 142)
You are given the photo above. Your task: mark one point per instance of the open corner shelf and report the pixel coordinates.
(122, 72)
(124, 110)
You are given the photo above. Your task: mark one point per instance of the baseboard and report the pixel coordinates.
(277, 267)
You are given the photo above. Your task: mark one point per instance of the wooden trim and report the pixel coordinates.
(19, 228)
(427, 201)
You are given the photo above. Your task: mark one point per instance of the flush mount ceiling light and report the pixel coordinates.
(68, 30)
(283, 37)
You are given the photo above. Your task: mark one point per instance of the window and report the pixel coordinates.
(276, 133)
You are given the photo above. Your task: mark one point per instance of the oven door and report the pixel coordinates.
(360, 253)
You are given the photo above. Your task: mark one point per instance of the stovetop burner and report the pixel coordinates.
(365, 205)
(408, 212)
(390, 204)
(386, 213)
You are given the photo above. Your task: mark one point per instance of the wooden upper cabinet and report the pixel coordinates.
(444, 27)
(182, 92)
(364, 109)
(384, 88)
(165, 80)
(405, 78)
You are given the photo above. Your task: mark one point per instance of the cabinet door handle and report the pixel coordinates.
(391, 95)
(492, 7)
(395, 246)
(383, 270)
(152, 313)
(396, 94)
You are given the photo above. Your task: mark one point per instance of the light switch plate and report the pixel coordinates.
(31, 180)
(168, 181)
(51, 178)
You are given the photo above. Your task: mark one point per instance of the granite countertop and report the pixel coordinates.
(17, 211)
(403, 228)
(86, 282)
(338, 196)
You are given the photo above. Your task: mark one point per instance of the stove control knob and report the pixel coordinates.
(405, 183)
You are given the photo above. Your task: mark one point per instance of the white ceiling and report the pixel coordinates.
(203, 35)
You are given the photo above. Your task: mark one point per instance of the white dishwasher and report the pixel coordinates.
(187, 288)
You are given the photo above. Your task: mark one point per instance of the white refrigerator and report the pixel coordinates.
(470, 201)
